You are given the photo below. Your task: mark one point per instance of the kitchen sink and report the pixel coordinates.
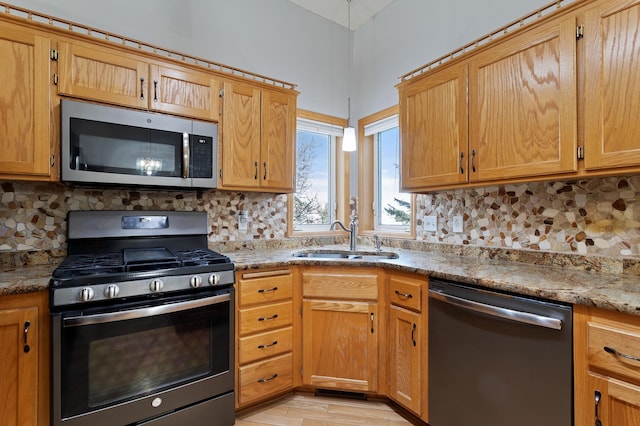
(346, 254)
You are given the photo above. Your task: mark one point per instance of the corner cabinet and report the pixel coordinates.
(434, 123)
(24, 345)
(26, 135)
(265, 337)
(340, 329)
(108, 75)
(607, 367)
(408, 376)
(258, 139)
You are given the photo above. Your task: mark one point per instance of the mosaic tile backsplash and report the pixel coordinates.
(596, 216)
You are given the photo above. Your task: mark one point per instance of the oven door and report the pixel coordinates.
(126, 365)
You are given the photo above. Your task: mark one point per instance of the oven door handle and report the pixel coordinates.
(497, 311)
(78, 321)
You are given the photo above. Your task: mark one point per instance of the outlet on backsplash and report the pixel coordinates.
(243, 219)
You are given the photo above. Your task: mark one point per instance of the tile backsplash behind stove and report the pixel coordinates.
(596, 216)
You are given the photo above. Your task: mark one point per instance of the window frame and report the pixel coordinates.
(367, 191)
(340, 176)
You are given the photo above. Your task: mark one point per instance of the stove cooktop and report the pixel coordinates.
(80, 269)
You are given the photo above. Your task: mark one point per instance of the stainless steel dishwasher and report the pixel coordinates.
(498, 359)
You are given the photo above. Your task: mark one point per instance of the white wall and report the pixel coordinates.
(286, 42)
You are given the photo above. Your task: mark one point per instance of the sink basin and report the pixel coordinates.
(346, 254)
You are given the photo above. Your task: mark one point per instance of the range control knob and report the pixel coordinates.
(214, 279)
(195, 281)
(156, 285)
(111, 291)
(86, 294)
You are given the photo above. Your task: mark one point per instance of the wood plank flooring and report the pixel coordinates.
(308, 410)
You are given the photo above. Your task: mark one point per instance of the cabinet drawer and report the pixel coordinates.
(406, 292)
(626, 341)
(263, 345)
(263, 318)
(265, 289)
(328, 285)
(262, 379)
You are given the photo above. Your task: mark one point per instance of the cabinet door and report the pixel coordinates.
(241, 136)
(618, 402)
(19, 369)
(278, 140)
(405, 358)
(523, 105)
(100, 74)
(340, 345)
(612, 84)
(184, 92)
(25, 129)
(434, 134)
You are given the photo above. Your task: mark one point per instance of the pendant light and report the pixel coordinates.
(349, 137)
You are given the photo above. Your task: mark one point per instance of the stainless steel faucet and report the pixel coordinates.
(353, 230)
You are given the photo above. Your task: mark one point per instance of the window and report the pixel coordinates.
(382, 207)
(314, 202)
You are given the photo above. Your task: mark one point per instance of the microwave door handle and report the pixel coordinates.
(185, 155)
(143, 312)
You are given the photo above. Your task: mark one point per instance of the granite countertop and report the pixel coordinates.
(616, 292)
(609, 291)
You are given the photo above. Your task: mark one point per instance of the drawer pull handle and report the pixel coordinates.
(262, 290)
(407, 295)
(268, 379)
(274, 316)
(620, 354)
(275, 342)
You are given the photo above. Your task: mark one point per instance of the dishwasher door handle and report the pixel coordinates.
(497, 311)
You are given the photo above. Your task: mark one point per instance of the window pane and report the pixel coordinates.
(393, 206)
(313, 179)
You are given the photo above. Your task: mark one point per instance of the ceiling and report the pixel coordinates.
(338, 10)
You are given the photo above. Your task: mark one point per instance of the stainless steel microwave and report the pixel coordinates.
(110, 145)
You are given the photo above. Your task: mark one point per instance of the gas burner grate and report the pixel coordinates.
(191, 257)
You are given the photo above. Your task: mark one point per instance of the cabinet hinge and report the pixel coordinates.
(581, 153)
(220, 173)
(222, 93)
(52, 160)
(579, 32)
(55, 79)
(53, 54)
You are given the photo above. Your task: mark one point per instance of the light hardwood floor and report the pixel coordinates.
(309, 410)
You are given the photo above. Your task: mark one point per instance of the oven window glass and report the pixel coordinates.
(115, 148)
(108, 363)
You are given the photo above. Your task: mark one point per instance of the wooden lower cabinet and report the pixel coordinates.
(607, 367)
(340, 328)
(265, 335)
(24, 369)
(408, 342)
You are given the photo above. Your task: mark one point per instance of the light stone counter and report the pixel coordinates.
(613, 291)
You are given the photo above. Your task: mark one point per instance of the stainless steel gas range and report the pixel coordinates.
(142, 322)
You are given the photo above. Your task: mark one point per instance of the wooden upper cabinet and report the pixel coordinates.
(110, 76)
(25, 120)
(278, 140)
(184, 92)
(523, 105)
(99, 74)
(612, 85)
(434, 120)
(258, 138)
